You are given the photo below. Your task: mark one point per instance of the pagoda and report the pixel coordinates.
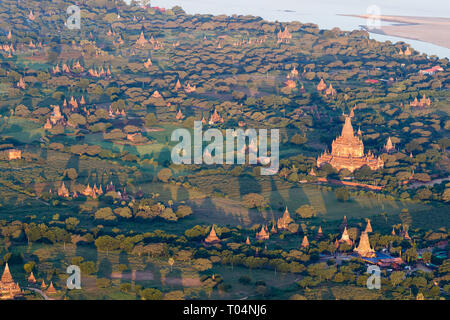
(8, 288)
(263, 234)
(330, 91)
(21, 83)
(215, 117)
(177, 85)
(368, 227)
(283, 222)
(348, 152)
(423, 102)
(284, 35)
(141, 41)
(319, 233)
(190, 88)
(212, 237)
(321, 86)
(247, 242)
(31, 16)
(345, 238)
(148, 63)
(56, 115)
(290, 84)
(273, 229)
(180, 115)
(156, 94)
(51, 289)
(305, 242)
(63, 192)
(364, 249)
(31, 278)
(294, 72)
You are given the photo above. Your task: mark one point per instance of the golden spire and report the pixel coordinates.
(368, 227)
(6, 277)
(364, 249)
(347, 130)
(212, 237)
(305, 242)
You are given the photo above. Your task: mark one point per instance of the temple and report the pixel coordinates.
(321, 86)
(305, 242)
(215, 117)
(283, 222)
(141, 41)
(330, 91)
(14, 154)
(263, 234)
(364, 249)
(180, 115)
(212, 237)
(348, 152)
(21, 83)
(8, 288)
(51, 289)
(423, 102)
(284, 35)
(290, 84)
(31, 278)
(345, 238)
(189, 88)
(319, 233)
(62, 191)
(389, 146)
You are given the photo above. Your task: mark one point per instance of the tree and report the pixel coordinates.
(72, 173)
(426, 256)
(29, 266)
(397, 277)
(298, 139)
(124, 212)
(254, 200)
(164, 175)
(306, 211)
(71, 223)
(150, 120)
(183, 211)
(342, 194)
(151, 294)
(105, 214)
(107, 243)
(446, 195)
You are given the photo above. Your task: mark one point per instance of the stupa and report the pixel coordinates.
(263, 234)
(364, 249)
(305, 242)
(212, 237)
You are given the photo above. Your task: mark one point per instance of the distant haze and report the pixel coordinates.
(321, 12)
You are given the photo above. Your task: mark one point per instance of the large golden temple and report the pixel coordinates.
(348, 152)
(8, 288)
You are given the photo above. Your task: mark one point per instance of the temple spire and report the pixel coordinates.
(347, 130)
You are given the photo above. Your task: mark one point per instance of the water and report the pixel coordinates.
(324, 13)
